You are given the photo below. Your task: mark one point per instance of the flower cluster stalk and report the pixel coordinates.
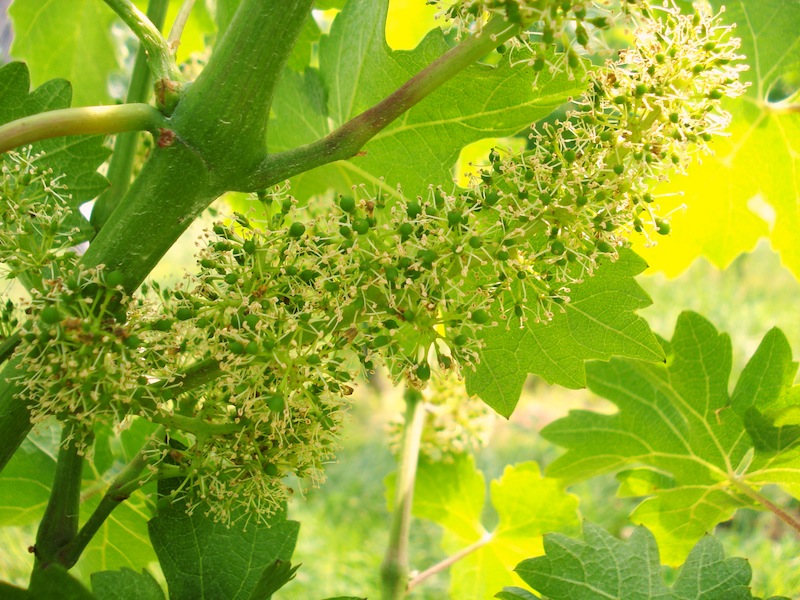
(128, 481)
(395, 566)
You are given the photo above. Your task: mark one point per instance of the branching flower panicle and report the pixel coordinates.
(35, 218)
(586, 180)
(546, 24)
(80, 354)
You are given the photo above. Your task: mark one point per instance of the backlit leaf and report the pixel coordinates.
(750, 188)
(696, 452)
(527, 504)
(70, 40)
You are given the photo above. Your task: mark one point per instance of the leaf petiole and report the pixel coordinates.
(120, 167)
(178, 25)
(449, 561)
(85, 120)
(349, 138)
(784, 516)
(160, 59)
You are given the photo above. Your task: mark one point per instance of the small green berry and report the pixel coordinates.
(460, 340)
(297, 229)
(480, 316)
(423, 371)
(50, 315)
(361, 226)
(347, 204)
(184, 313)
(276, 403)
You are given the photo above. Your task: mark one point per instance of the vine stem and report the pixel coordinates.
(128, 481)
(449, 561)
(59, 524)
(395, 569)
(347, 140)
(784, 516)
(120, 167)
(79, 121)
(159, 56)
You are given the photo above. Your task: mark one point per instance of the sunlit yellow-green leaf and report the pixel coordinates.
(452, 494)
(750, 188)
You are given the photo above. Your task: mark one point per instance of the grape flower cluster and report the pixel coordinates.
(248, 364)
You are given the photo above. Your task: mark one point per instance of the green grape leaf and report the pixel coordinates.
(750, 188)
(273, 578)
(201, 558)
(73, 159)
(27, 478)
(599, 322)
(126, 584)
(329, 4)
(515, 593)
(70, 40)
(527, 505)
(696, 452)
(25, 488)
(357, 70)
(602, 566)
